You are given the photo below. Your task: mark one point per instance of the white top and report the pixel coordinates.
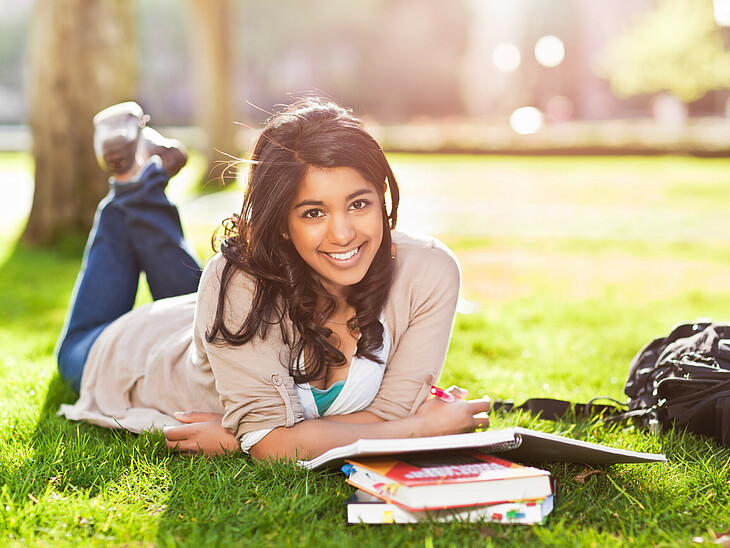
(361, 386)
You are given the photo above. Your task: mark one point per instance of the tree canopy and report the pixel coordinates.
(677, 48)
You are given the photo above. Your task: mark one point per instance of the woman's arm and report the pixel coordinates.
(311, 438)
(204, 433)
(359, 417)
(424, 298)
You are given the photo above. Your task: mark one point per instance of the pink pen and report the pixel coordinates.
(442, 394)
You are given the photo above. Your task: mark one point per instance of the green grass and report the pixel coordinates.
(561, 316)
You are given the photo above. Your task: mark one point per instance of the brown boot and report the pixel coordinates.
(123, 143)
(172, 152)
(116, 137)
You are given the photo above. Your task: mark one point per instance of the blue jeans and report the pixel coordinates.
(136, 229)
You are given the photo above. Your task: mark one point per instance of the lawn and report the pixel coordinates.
(570, 265)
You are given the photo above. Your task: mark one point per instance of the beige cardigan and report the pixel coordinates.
(150, 363)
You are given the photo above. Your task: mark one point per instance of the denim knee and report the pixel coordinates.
(72, 353)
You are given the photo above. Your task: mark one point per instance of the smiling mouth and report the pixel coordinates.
(344, 256)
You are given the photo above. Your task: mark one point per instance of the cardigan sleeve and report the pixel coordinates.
(252, 380)
(425, 298)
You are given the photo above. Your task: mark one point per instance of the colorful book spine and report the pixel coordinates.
(363, 507)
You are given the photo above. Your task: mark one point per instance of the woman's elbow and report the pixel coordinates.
(279, 444)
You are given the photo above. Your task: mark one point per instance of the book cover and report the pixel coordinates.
(446, 479)
(363, 507)
(513, 443)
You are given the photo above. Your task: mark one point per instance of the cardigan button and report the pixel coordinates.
(430, 379)
(275, 379)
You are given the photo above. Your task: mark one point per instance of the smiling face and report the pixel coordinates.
(335, 222)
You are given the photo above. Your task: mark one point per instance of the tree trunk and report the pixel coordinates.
(82, 59)
(211, 52)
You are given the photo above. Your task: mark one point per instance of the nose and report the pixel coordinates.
(342, 230)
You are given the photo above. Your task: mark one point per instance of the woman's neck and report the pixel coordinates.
(341, 314)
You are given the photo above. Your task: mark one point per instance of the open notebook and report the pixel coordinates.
(517, 444)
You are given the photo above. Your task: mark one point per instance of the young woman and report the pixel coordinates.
(316, 324)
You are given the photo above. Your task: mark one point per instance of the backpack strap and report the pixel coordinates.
(648, 413)
(553, 410)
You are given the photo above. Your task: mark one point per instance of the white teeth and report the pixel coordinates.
(344, 256)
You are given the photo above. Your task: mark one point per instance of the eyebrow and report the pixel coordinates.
(320, 203)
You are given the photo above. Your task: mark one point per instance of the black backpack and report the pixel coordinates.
(683, 380)
(680, 380)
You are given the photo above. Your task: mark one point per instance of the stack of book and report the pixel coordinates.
(455, 477)
(446, 486)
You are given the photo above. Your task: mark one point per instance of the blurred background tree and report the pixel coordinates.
(82, 58)
(677, 48)
(213, 76)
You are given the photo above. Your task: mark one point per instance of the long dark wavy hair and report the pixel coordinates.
(314, 133)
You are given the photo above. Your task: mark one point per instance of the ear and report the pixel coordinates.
(385, 188)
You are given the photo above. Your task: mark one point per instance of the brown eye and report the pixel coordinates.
(359, 204)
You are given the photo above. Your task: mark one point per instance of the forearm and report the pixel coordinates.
(360, 417)
(203, 432)
(311, 438)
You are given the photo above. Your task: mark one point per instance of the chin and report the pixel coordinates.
(344, 282)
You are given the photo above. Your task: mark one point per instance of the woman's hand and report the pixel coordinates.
(440, 417)
(202, 433)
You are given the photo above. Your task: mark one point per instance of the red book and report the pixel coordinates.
(430, 481)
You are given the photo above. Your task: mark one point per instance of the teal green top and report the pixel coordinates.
(324, 398)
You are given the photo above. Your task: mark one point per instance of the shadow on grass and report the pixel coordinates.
(72, 459)
(36, 284)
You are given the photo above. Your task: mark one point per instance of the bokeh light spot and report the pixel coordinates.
(526, 120)
(506, 57)
(549, 51)
(722, 12)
